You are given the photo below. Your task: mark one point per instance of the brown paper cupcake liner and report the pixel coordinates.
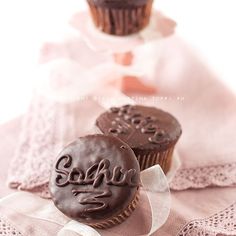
(120, 217)
(121, 21)
(161, 158)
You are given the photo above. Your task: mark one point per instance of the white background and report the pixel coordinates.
(207, 25)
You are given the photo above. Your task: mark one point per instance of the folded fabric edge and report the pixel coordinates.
(202, 177)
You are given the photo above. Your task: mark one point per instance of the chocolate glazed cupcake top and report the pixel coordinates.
(118, 3)
(94, 178)
(141, 127)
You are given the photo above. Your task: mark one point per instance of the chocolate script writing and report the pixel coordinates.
(94, 175)
(146, 124)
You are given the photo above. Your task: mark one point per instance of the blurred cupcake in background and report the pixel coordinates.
(120, 17)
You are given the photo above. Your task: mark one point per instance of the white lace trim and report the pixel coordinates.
(201, 177)
(223, 222)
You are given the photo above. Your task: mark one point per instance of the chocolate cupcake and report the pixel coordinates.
(120, 17)
(150, 132)
(96, 180)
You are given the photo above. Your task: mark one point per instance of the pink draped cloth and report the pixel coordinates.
(204, 107)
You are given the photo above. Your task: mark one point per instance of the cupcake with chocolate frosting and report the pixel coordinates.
(95, 180)
(120, 17)
(151, 133)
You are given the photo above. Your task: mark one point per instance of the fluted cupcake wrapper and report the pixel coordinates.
(162, 158)
(115, 220)
(121, 21)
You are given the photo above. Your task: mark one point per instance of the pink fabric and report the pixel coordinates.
(72, 48)
(206, 110)
(208, 121)
(207, 114)
(209, 211)
(9, 136)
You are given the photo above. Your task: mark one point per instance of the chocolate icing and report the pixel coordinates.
(94, 178)
(118, 3)
(141, 127)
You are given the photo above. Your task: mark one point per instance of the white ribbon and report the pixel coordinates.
(158, 193)
(78, 228)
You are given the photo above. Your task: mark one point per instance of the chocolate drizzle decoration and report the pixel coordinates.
(128, 115)
(95, 176)
(93, 199)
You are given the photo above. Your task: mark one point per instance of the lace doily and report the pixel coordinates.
(7, 229)
(223, 223)
(201, 177)
(39, 142)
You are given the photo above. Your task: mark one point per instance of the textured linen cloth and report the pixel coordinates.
(204, 107)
